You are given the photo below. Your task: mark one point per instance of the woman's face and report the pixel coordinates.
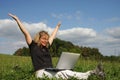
(44, 40)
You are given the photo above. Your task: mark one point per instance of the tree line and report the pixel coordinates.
(60, 46)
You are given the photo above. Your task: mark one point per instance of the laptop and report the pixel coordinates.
(67, 60)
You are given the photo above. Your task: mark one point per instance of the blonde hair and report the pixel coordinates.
(38, 36)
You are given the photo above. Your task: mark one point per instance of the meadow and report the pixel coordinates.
(20, 68)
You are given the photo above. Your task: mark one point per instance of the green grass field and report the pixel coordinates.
(20, 68)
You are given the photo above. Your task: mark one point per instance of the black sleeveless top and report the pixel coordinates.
(40, 56)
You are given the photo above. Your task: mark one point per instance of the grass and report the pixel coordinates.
(20, 68)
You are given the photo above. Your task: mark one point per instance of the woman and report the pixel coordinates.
(40, 55)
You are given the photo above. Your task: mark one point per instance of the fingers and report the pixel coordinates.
(13, 16)
(10, 14)
(59, 23)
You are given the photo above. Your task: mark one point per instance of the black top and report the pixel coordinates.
(40, 56)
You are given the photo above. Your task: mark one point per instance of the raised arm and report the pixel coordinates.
(54, 33)
(22, 28)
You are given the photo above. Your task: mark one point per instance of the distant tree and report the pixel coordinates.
(18, 52)
(60, 46)
(22, 52)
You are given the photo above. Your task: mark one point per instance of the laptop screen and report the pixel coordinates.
(67, 60)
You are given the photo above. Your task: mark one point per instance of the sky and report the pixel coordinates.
(87, 23)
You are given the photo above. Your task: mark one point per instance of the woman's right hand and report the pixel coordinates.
(13, 16)
(22, 28)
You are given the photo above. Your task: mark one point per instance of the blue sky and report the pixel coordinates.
(92, 23)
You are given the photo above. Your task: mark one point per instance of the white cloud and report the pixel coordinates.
(77, 34)
(11, 37)
(114, 32)
(76, 16)
(57, 16)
